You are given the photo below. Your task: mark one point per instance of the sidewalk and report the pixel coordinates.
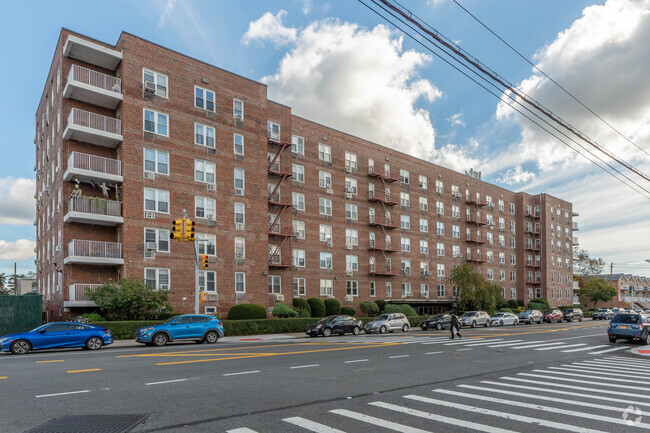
(235, 339)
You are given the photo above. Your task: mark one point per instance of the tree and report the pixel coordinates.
(585, 266)
(130, 299)
(597, 289)
(3, 281)
(474, 291)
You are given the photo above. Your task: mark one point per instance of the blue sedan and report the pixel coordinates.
(57, 335)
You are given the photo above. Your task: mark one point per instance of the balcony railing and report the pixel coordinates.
(94, 252)
(93, 128)
(95, 205)
(98, 167)
(95, 79)
(78, 292)
(93, 87)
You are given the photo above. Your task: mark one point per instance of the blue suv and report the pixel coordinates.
(200, 328)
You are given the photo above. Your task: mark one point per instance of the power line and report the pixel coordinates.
(550, 79)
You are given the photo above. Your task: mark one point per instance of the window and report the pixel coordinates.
(424, 204)
(350, 161)
(501, 205)
(373, 289)
(326, 287)
(440, 208)
(351, 262)
(204, 207)
(502, 275)
(325, 233)
(456, 251)
(441, 290)
(238, 144)
(203, 98)
(502, 258)
(299, 258)
(513, 243)
(204, 171)
(209, 246)
(299, 287)
(239, 178)
(455, 231)
(389, 289)
(440, 228)
(440, 187)
(159, 80)
(298, 201)
(273, 130)
(405, 266)
(274, 284)
(440, 249)
(325, 206)
(405, 221)
(441, 269)
(424, 225)
(351, 211)
(207, 281)
(238, 109)
(351, 185)
(298, 173)
(424, 246)
(297, 145)
(325, 179)
(423, 182)
(299, 229)
(405, 245)
(406, 289)
(204, 135)
(324, 152)
(240, 282)
(404, 199)
(156, 122)
(158, 236)
(455, 211)
(351, 236)
(325, 260)
(352, 288)
(404, 176)
(490, 275)
(156, 200)
(512, 208)
(156, 161)
(158, 278)
(240, 248)
(239, 213)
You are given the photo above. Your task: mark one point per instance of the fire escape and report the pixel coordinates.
(475, 217)
(381, 217)
(534, 228)
(277, 206)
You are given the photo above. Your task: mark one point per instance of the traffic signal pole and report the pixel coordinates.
(196, 269)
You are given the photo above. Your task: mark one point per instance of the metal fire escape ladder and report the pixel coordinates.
(281, 176)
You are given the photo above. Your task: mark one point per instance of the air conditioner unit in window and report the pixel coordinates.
(426, 273)
(330, 191)
(213, 297)
(409, 293)
(239, 191)
(348, 246)
(349, 298)
(149, 87)
(348, 195)
(150, 246)
(406, 271)
(348, 169)
(239, 226)
(150, 215)
(149, 254)
(212, 187)
(164, 287)
(296, 234)
(349, 272)
(330, 244)
(279, 298)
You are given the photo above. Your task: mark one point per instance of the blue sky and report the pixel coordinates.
(434, 112)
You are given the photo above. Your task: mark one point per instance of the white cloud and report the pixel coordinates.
(456, 120)
(269, 27)
(17, 201)
(22, 249)
(169, 8)
(360, 81)
(306, 6)
(456, 158)
(516, 175)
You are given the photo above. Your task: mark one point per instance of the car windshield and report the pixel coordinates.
(549, 312)
(498, 315)
(603, 310)
(469, 314)
(526, 312)
(435, 316)
(626, 318)
(326, 319)
(171, 320)
(39, 328)
(382, 317)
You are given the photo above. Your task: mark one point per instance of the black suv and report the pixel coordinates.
(573, 314)
(438, 321)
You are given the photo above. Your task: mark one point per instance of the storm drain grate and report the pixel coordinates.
(90, 424)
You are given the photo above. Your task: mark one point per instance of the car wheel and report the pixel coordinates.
(612, 339)
(487, 323)
(646, 341)
(580, 319)
(327, 332)
(94, 343)
(514, 323)
(356, 330)
(570, 319)
(20, 347)
(560, 320)
(159, 339)
(501, 323)
(439, 327)
(473, 324)
(211, 337)
(383, 329)
(405, 328)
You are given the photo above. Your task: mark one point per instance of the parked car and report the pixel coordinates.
(629, 326)
(572, 314)
(530, 316)
(501, 319)
(335, 324)
(388, 323)
(475, 318)
(196, 327)
(603, 313)
(437, 321)
(57, 335)
(551, 316)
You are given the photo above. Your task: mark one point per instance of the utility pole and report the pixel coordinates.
(15, 282)
(611, 276)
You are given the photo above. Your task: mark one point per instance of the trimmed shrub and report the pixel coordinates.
(317, 307)
(302, 313)
(512, 304)
(370, 308)
(283, 310)
(301, 304)
(381, 304)
(93, 317)
(348, 311)
(520, 302)
(332, 307)
(505, 310)
(405, 309)
(541, 301)
(537, 306)
(247, 312)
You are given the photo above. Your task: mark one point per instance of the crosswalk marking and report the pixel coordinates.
(620, 362)
(610, 350)
(439, 418)
(585, 348)
(378, 422)
(592, 375)
(628, 359)
(465, 342)
(482, 343)
(594, 388)
(527, 346)
(506, 415)
(516, 343)
(560, 347)
(242, 430)
(600, 383)
(609, 366)
(311, 426)
(598, 371)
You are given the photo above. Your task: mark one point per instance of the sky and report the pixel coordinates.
(338, 63)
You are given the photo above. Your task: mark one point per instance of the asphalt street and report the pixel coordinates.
(526, 378)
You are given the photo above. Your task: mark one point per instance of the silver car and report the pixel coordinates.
(502, 319)
(475, 318)
(388, 322)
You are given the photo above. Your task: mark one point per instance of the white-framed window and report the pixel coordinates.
(405, 245)
(156, 122)
(502, 275)
(513, 276)
(351, 262)
(239, 178)
(299, 258)
(325, 179)
(352, 288)
(325, 206)
(502, 258)
(373, 289)
(299, 287)
(324, 152)
(325, 260)
(351, 211)
(440, 249)
(298, 201)
(159, 80)
(424, 246)
(405, 266)
(406, 289)
(297, 145)
(240, 282)
(350, 161)
(455, 211)
(240, 213)
(423, 181)
(424, 225)
(501, 206)
(298, 173)
(424, 204)
(156, 161)
(404, 199)
(351, 185)
(273, 130)
(441, 269)
(440, 228)
(325, 233)
(440, 187)
(326, 287)
(298, 229)
(351, 236)
(204, 135)
(455, 231)
(455, 251)
(238, 109)
(405, 222)
(424, 268)
(157, 278)
(441, 290)
(203, 98)
(208, 244)
(240, 247)
(404, 176)
(238, 144)
(156, 200)
(204, 207)
(210, 310)
(389, 289)
(440, 208)
(158, 236)
(274, 284)
(204, 171)
(207, 281)
(512, 208)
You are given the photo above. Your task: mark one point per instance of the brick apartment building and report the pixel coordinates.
(127, 136)
(631, 291)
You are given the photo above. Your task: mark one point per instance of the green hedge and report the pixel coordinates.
(247, 311)
(348, 311)
(301, 304)
(317, 307)
(332, 307)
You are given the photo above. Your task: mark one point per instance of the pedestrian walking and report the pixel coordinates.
(455, 327)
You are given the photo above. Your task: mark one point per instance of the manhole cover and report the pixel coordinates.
(90, 424)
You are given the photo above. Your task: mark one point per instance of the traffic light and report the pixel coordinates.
(177, 230)
(203, 297)
(188, 230)
(203, 259)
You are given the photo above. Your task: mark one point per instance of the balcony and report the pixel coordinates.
(385, 198)
(574, 226)
(382, 271)
(387, 224)
(84, 167)
(78, 295)
(94, 210)
(91, 52)
(93, 87)
(478, 221)
(575, 241)
(476, 259)
(93, 128)
(477, 240)
(83, 252)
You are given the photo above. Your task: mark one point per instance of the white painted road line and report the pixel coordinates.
(241, 372)
(460, 350)
(464, 342)
(166, 381)
(356, 360)
(636, 361)
(626, 363)
(589, 390)
(399, 356)
(561, 347)
(311, 426)
(306, 366)
(518, 343)
(433, 353)
(594, 376)
(482, 343)
(241, 430)
(609, 350)
(595, 384)
(598, 371)
(528, 346)
(610, 367)
(506, 415)
(439, 418)
(378, 421)
(585, 348)
(62, 393)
